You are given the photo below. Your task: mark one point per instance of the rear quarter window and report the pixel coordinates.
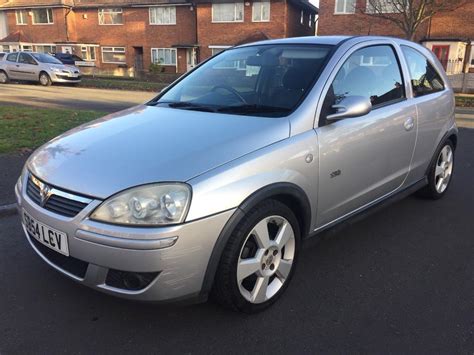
(424, 78)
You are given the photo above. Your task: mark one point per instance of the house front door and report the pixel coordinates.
(442, 52)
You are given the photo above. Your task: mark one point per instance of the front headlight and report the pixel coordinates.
(56, 70)
(149, 205)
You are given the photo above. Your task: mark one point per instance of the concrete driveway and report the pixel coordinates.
(69, 97)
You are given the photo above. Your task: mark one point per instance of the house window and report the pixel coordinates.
(261, 11)
(163, 15)
(163, 56)
(111, 16)
(345, 6)
(114, 55)
(42, 16)
(381, 6)
(46, 49)
(217, 49)
(21, 17)
(88, 53)
(228, 12)
(302, 17)
(26, 48)
(6, 48)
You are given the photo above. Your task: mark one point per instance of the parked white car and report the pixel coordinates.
(39, 67)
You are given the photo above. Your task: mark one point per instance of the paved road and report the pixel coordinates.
(60, 96)
(400, 281)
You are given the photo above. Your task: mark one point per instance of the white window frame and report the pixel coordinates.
(171, 17)
(23, 17)
(172, 50)
(88, 50)
(26, 48)
(100, 13)
(223, 48)
(345, 11)
(113, 50)
(387, 8)
(49, 15)
(37, 46)
(6, 48)
(310, 21)
(302, 17)
(260, 5)
(235, 12)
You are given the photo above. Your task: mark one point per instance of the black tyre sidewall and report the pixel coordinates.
(232, 252)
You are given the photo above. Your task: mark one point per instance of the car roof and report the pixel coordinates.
(326, 40)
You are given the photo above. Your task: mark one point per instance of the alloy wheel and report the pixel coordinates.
(44, 79)
(444, 169)
(3, 78)
(266, 259)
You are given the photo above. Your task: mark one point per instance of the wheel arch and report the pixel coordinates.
(449, 136)
(289, 194)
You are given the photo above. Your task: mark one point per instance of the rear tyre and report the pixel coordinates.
(44, 79)
(3, 77)
(441, 172)
(258, 262)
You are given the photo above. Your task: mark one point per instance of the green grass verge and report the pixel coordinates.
(464, 100)
(24, 128)
(117, 84)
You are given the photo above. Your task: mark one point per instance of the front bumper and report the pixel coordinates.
(65, 78)
(177, 272)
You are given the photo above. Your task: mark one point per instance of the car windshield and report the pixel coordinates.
(45, 58)
(268, 80)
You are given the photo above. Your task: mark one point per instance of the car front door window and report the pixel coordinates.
(372, 72)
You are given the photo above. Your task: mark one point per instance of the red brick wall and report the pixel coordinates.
(210, 33)
(355, 24)
(295, 28)
(136, 31)
(41, 33)
(458, 23)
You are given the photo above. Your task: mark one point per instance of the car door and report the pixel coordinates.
(365, 158)
(12, 66)
(28, 67)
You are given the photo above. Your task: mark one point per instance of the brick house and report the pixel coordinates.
(449, 34)
(121, 37)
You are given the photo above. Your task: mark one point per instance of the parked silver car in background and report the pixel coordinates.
(39, 67)
(212, 187)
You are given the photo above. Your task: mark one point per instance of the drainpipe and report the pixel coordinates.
(65, 22)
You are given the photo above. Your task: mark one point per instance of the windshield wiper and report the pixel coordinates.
(185, 105)
(253, 109)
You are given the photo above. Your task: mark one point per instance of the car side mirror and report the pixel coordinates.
(351, 106)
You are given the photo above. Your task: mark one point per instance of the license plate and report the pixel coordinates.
(50, 237)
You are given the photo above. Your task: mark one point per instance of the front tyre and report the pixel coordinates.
(258, 262)
(3, 77)
(44, 79)
(441, 172)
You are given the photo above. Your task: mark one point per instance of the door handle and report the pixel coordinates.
(409, 124)
(17, 65)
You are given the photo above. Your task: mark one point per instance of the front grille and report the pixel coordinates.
(55, 203)
(68, 263)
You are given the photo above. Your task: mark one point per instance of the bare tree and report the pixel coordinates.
(409, 15)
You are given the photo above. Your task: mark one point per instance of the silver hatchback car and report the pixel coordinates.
(39, 67)
(213, 186)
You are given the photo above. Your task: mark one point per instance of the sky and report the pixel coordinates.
(314, 2)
